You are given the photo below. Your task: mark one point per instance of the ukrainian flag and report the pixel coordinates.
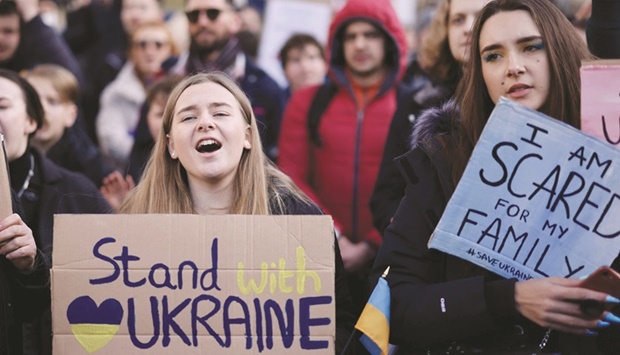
(374, 322)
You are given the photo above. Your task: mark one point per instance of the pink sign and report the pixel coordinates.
(600, 100)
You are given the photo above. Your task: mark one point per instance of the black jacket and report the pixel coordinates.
(603, 29)
(75, 151)
(22, 297)
(53, 190)
(345, 318)
(142, 146)
(40, 44)
(478, 306)
(62, 191)
(390, 186)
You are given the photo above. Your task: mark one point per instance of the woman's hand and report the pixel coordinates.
(354, 255)
(555, 303)
(115, 188)
(17, 243)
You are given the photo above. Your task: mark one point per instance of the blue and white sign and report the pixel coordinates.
(538, 198)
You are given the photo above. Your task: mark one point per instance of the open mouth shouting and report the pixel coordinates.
(208, 145)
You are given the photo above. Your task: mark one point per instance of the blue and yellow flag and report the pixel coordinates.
(374, 322)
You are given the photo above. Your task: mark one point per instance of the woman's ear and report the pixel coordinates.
(31, 126)
(171, 150)
(71, 116)
(247, 144)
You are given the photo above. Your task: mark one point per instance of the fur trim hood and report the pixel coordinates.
(435, 121)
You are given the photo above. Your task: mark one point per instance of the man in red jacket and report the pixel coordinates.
(338, 168)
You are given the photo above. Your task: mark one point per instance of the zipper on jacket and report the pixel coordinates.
(356, 166)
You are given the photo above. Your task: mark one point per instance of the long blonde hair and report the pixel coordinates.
(259, 187)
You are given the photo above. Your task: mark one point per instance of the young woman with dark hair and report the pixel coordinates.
(526, 51)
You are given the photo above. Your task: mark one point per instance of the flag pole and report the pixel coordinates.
(346, 346)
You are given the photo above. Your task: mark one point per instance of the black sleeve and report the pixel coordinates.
(390, 186)
(426, 309)
(76, 151)
(274, 100)
(142, 147)
(41, 44)
(608, 341)
(30, 292)
(80, 32)
(603, 29)
(345, 313)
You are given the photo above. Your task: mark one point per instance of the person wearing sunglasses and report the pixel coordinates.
(98, 34)
(151, 45)
(213, 28)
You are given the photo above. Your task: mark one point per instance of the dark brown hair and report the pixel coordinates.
(298, 41)
(565, 51)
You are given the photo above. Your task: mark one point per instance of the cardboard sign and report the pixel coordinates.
(600, 100)
(538, 198)
(180, 284)
(6, 206)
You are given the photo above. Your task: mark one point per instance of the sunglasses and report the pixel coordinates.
(212, 14)
(144, 44)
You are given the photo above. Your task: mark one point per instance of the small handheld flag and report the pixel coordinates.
(374, 322)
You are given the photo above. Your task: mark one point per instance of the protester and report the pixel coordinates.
(59, 138)
(150, 123)
(208, 159)
(527, 51)
(213, 29)
(303, 61)
(334, 157)
(26, 41)
(249, 35)
(151, 45)
(115, 186)
(98, 33)
(24, 279)
(442, 56)
(42, 187)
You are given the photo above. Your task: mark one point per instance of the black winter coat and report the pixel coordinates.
(62, 191)
(440, 301)
(40, 44)
(390, 186)
(53, 190)
(75, 151)
(603, 29)
(345, 318)
(22, 297)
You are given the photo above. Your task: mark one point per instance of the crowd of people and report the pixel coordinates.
(128, 107)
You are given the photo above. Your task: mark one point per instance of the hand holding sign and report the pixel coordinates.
(17, 243)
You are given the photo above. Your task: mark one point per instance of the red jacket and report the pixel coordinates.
(340, 175)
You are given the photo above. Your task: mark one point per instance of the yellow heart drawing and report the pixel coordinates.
(93, 337)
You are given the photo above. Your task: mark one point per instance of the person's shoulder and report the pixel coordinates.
(301, 99)
(254, 73)
(292, 204)
(64, 178)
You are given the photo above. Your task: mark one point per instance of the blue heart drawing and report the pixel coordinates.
(94, 326)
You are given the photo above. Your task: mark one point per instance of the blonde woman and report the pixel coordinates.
(208, 159)
(150, 45)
